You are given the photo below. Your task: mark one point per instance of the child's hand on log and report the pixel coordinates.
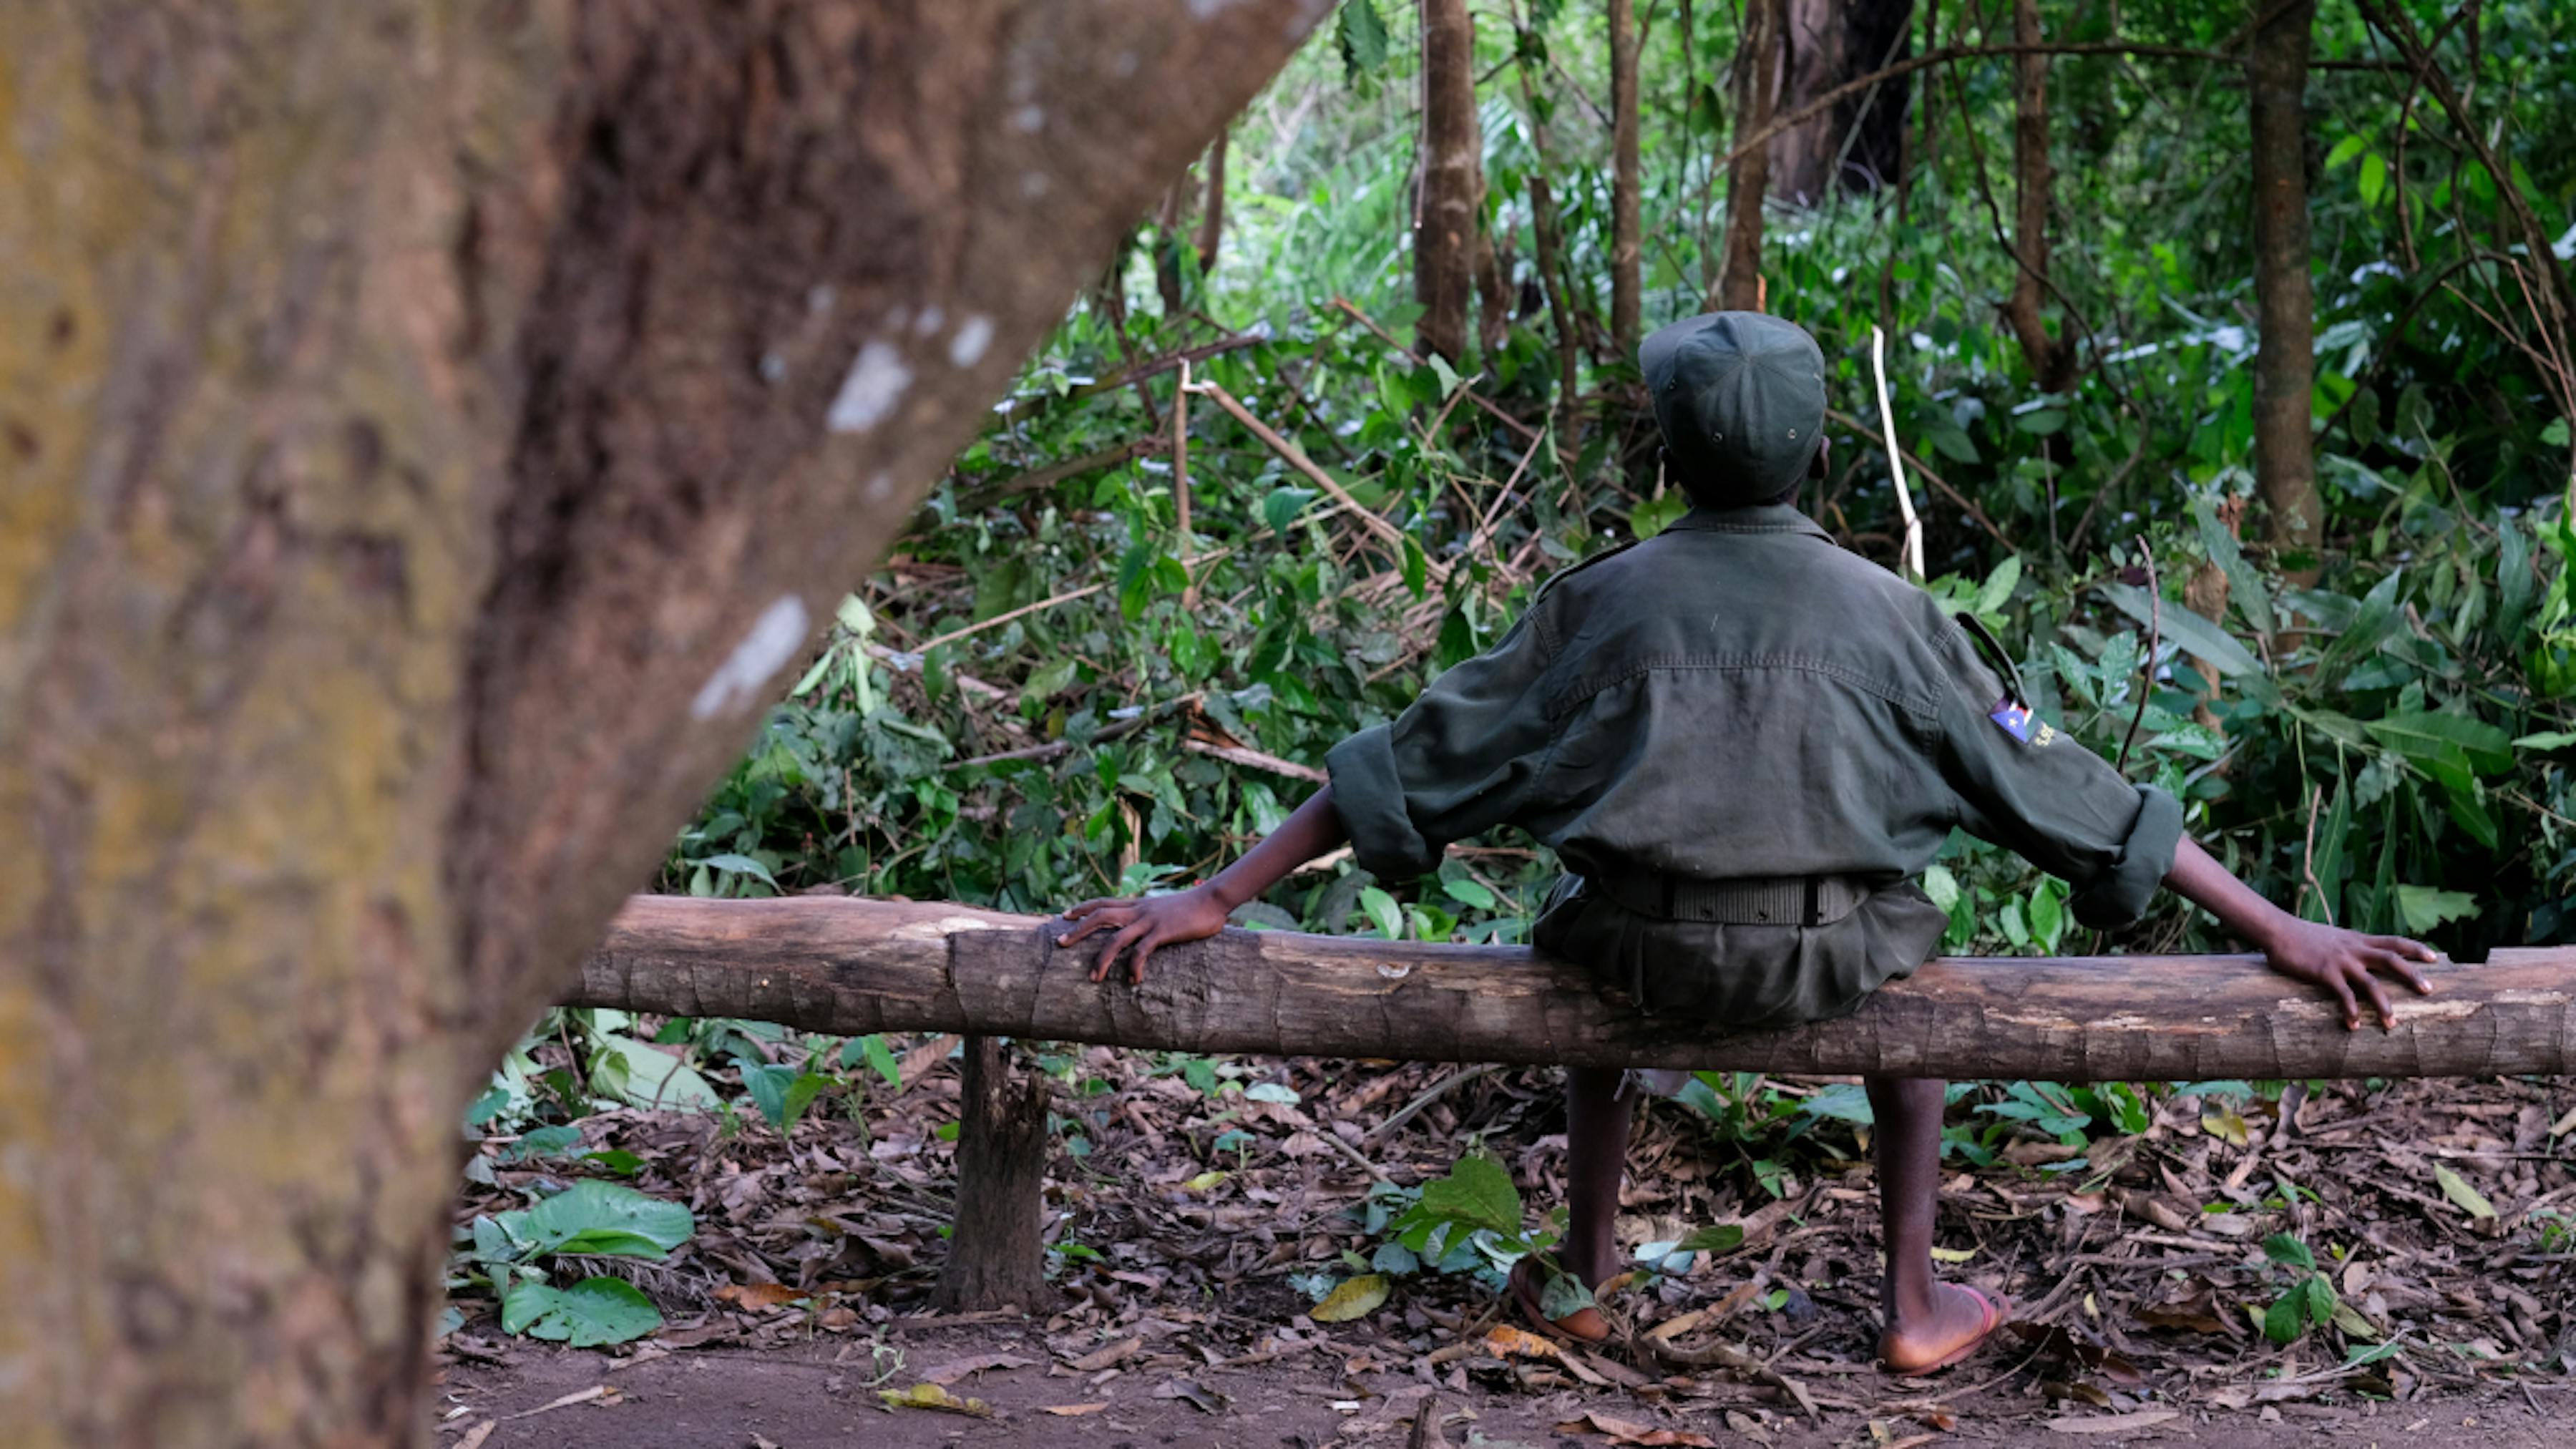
(1142, 925)
(2349, 964)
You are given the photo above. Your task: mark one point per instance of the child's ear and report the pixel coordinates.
(1816, 466)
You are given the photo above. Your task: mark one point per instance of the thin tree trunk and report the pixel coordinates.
(1626, 271)
(1560, 316)
(996, 1255)
(849, 967)
(2285, 468)
(2051, 360)
(1167, 248)
(1212, 210)
(1444, 240)
(1755, 93)
(435, 435)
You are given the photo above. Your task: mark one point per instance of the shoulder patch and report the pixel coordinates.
(1997, 658)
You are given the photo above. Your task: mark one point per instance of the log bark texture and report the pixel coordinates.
(436, 427)
(849, 966)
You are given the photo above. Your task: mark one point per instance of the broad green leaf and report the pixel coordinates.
(2466, 1198)
(2286, 1319)
(1716, 1238)
(2244, 586)
(2344, 150)
(1657, 514)
(880, 1057)
(741, 865)
(2196, 636)
(1277, 1092)
(2424, 908)
(1360, 32)
(593, 1313)
(1382, 913)
(638, 1075)
(1998, 587)
(2288, 1251)
(2432, 736)
(2551, 740)
(2374, 177)
(1477, 1192)
(1281, 508)
(1564, 1296)
(591, 1211)
(1469, 893)
(1942, 887)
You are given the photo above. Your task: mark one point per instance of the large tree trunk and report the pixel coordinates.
(1445, 232)
(1859, 144)
(1627, 283)
(440, 426)
(845, 966)
(2052, 360)
(1754, 91)
(2285, 466)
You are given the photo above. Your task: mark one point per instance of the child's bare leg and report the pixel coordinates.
(1926, 1320)
(1596, 1151)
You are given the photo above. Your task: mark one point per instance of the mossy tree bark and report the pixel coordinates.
(1858, 145)
(2285, 464)
(1627, 247)
(1754, 96)
(1452, 171)
(438, 426)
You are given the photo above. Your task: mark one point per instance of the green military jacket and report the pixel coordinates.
(1739, 699)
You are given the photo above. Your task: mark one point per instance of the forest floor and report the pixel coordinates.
(1187, 1259)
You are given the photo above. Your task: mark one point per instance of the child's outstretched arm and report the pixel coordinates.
(2347, 963)
(1313, 829)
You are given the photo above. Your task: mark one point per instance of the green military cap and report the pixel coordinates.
(1741, 400)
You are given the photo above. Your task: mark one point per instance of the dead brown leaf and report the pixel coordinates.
(1073, 1411)
(958, 1368)
(1629, 1431)
(1107, 1356)
(758, 1297)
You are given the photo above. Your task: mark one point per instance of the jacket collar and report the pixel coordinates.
(1748, 518)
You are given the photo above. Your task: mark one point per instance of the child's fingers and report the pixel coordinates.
(2401, 946)
(1136, 958)
(2343, 989)
(2378, 995)
(1093, 926)
(2404, 970)
(1117, 944)
(1087, 907)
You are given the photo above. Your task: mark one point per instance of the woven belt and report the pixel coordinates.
(1787, 901)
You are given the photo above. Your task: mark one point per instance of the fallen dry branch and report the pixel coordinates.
(852, 966)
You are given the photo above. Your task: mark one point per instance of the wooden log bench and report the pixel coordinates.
(850, 967)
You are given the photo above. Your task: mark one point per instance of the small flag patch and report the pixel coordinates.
(2012, 717)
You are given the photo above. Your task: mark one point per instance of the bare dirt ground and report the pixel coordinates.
(1193, 1228)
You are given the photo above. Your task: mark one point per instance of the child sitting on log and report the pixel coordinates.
(1746, 744)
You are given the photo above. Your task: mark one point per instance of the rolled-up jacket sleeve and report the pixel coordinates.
(1468, 754)
(2050, 800)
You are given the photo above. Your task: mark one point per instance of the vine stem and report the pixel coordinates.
(2155, 640)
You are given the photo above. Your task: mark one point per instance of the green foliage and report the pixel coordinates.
(589, 1219)
(2308, 1301)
